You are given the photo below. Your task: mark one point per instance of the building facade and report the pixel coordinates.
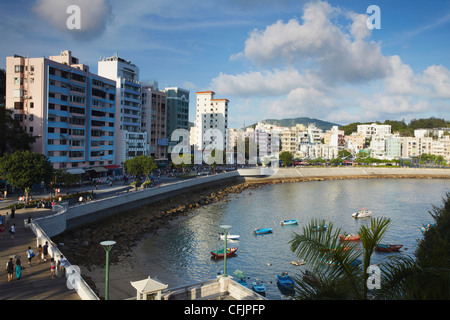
(211, 121)
(177, 104)
(130, 140)
(154, 121)
(70, 109)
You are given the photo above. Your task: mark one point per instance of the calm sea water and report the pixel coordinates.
(180, 255)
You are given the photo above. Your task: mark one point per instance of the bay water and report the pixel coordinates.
(180, 254)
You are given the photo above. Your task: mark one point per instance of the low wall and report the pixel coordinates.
(221, 286)
(82, 288)
(255, 174)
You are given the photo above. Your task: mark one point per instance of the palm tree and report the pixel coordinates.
(336, 272)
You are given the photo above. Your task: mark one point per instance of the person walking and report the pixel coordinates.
(12, 230)
(30, 255)
(10, 268)
(39, 253)
(18, 268)
(45, 250)
(2, 231)
(52, 268)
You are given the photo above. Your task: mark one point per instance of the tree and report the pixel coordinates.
(336, 273)
(140, 165)
(23, 169)
(12, 136)
(286, 157)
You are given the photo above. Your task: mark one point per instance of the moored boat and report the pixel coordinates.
(285, 283)
(220, 253)
(262, 231)
(426, 227)
(362, 213)
(320, 228)
(349, 237)
(230, 237)
(259, 287)
(388, 247)
(298, 262)
(289, 222)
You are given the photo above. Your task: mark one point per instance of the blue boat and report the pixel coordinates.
(259, 287)
(285, 283)
(262, 231)
(320, 228)
(289, 222)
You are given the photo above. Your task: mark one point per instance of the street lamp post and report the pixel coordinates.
(225, 229)
(107, 245)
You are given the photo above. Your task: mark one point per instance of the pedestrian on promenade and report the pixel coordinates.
(39, 253)
(10, 268)
(45, 250)
(13, 211)
(62, 266)
(2, 231)
(52, 268)
(12, 230)
(30, 255)
(1, 219)
(18, 268)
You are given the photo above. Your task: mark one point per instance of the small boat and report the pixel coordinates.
(285, 283)
(219, 253)
(298, 262)
(349, 237)
(388, 247)
(242, 278)
(259, 287)
(289, 222)
(230, 237)
(320, 228)
(262, 231)
(426, 227)
(362, 213)
(243, 282)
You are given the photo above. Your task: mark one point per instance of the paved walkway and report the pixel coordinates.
(35, 282)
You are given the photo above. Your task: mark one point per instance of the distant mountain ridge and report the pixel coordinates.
(324, 125)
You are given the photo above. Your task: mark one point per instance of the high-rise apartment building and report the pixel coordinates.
(154, 122)
(211, 121)
(70, 109)
(130, 140)
(177, 102)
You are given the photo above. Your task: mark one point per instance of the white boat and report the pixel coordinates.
(362, 213)
(298, 262)
(230, 237)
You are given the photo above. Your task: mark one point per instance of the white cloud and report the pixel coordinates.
(264, 83)
(332, 72)
(94, 14)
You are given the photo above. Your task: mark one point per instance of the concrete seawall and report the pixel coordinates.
(266, 174)
(91, 211)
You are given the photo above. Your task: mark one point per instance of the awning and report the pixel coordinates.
(112, 167)
(75, 171)
(99, 169)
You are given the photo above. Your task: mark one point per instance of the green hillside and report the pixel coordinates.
(324, 125)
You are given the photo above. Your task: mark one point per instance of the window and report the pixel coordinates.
(18, 68)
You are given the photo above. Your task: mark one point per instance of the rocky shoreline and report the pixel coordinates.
(81, 245)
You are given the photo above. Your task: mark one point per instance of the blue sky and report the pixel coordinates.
(271, 59)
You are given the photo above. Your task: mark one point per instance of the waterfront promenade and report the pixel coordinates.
(35, 282)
